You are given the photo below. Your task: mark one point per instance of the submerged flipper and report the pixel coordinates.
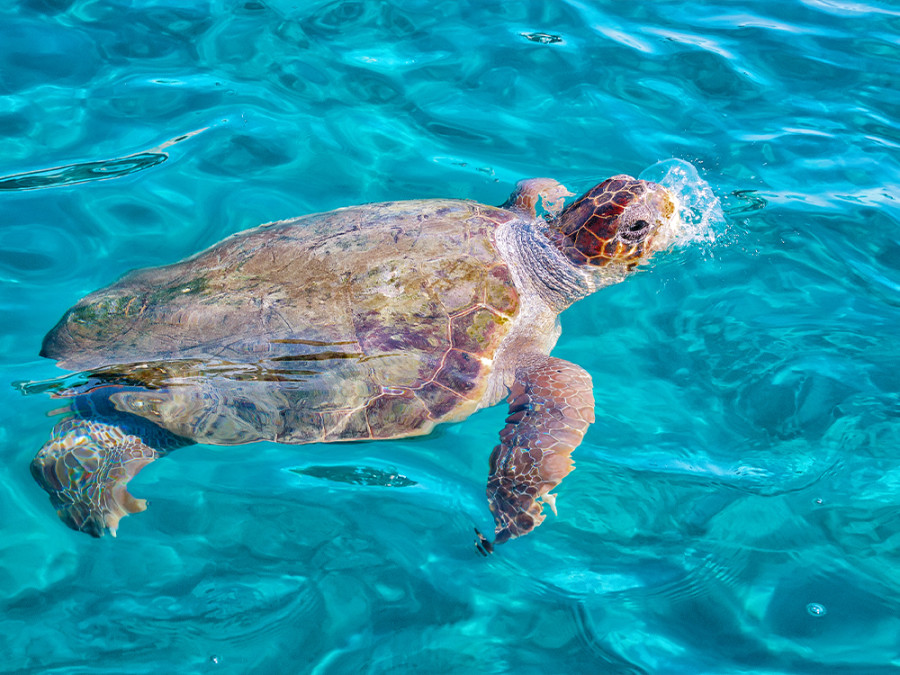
(86, 465)
(551, 406)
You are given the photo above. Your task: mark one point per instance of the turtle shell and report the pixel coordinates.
(374, 321)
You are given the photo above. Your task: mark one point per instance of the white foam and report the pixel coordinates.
(700, 210)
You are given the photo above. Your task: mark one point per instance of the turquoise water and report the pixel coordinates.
(735, 507)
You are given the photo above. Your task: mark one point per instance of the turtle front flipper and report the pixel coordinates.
(86, 464)
(551, 406)
(528, 192)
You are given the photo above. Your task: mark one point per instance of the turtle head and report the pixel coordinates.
(622, 220)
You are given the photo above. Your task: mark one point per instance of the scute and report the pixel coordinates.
(460, 372)
(382, 317)
(500, 292)
(478, 331)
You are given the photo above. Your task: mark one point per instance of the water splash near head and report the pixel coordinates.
(701, 212)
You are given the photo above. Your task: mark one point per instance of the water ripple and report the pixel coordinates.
(85, 172)
(744, 459)
(356, 475)
(82, 172)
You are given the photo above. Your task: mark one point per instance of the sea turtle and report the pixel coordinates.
(368, 322)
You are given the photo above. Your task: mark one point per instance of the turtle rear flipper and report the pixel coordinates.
(85, 466)
(551, 406)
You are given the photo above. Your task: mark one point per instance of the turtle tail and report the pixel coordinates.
(86, 464)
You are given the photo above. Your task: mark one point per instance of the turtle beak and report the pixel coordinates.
(668, 222)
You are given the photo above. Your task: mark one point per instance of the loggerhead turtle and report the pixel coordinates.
(368, 322)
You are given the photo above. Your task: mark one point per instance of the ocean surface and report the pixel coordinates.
(736, 506)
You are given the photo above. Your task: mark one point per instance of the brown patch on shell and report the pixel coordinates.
(460, 371)
(302, 426)
(500, 292)
(345, 424)
(478, 331)
(439, 400)
(395, 414)
(456, 288)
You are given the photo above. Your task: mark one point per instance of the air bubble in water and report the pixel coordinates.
(816, 609)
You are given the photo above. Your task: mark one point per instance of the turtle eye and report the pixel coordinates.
(635, 230)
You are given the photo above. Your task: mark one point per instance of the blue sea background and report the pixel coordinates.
(736, 507)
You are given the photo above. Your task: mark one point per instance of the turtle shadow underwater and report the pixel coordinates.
(369, 322)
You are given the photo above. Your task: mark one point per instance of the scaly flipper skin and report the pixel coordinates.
(86, 465)
(551, 406)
